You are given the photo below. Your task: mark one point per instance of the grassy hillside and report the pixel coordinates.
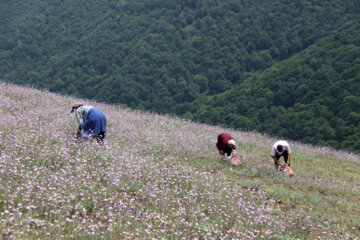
(160, 177)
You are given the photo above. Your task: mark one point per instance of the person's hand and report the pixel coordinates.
(283, 166)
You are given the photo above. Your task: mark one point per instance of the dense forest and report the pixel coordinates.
(286, 68)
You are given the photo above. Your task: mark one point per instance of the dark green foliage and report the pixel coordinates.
(312, 97)
(286, 68)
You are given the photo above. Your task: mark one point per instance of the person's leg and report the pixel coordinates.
(78, 133)
(97, 126)
(285, 154)
(277, 156)
(100, 138)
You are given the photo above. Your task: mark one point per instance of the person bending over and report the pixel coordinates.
(226, 146)
(281, 148)
(92, 122)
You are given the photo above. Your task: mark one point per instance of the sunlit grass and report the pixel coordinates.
(160, 177)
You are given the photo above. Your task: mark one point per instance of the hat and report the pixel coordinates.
(232, 142)
(75, 106)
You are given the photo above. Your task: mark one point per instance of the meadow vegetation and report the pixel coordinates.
(159, 177)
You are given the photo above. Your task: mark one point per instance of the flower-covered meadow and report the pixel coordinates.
(159, 177)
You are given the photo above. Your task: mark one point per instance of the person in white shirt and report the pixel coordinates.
(281, 148)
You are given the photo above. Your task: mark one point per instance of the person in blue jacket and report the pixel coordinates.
(92, 122)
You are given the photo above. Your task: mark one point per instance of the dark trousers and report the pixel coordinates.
(78, 133)
(277, 156)
(100, 138)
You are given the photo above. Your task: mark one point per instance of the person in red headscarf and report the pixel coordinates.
(226, 146)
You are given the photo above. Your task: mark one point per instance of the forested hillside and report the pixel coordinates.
(312, 97)
(287, 68)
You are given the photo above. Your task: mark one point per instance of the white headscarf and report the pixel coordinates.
(232, 142)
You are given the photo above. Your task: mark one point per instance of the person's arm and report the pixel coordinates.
(231, 156)
(79, 116)
(288, 149)
(272, 154)
(223, 156)
(288, 161)
(78, 133)
(276, 160)
(233, 153)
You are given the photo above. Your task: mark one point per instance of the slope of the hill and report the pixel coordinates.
(173, 56)
(160, 177)
(313, 96)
